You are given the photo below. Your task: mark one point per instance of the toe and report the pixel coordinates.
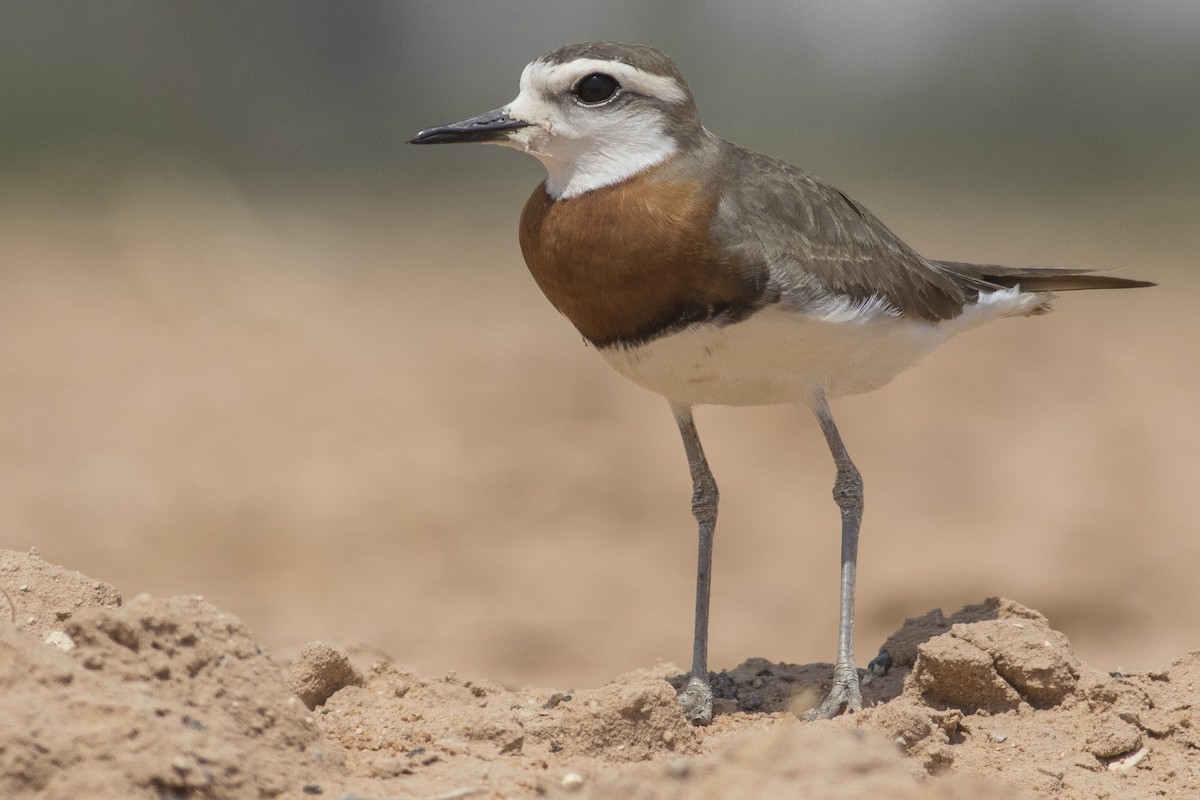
(844, 695)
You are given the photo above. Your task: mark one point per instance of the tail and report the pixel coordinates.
(983, 277)
(1035, 284)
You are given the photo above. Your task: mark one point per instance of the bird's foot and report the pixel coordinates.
(844, 694)
(697, 701)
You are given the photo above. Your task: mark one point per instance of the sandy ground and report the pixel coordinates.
(173, 698)
(346, 421)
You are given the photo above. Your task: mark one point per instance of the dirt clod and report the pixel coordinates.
(318, 671)
(953, 671)
(996, 664)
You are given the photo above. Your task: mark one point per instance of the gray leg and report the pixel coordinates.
(697, 696)
(848, 494)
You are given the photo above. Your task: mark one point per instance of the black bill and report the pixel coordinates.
(489, 127)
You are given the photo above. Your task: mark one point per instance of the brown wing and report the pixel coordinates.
(818, 242)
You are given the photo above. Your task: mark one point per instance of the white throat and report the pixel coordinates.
(597, 165)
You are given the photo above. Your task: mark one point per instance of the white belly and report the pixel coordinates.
(782, 356)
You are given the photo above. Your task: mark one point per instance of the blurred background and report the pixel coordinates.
(254, 347)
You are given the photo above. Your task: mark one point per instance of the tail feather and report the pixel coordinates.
(1035, 279)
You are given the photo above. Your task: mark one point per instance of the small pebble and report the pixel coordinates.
(60, 640)
(998, 738)
(880, 664)
(572, 781)
(1129, 762)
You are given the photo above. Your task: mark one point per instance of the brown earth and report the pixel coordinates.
(344, 420)
(174, 698)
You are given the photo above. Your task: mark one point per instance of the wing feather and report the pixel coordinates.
(819, 244)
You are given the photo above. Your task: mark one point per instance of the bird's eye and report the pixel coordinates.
(595, 88)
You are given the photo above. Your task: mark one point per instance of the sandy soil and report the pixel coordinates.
(345, 421)
(174, 698)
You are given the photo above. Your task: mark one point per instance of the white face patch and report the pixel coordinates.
(587, 147)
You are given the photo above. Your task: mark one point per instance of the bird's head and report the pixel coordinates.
(594, 114)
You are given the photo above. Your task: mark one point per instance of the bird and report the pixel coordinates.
(712, 274)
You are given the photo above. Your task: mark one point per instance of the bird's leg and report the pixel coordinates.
(848, 494)
(697, 696)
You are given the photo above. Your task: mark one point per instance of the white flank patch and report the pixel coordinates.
(587, 147)
(840, 308)
(782, 356)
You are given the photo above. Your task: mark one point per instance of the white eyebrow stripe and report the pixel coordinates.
(560, 76)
